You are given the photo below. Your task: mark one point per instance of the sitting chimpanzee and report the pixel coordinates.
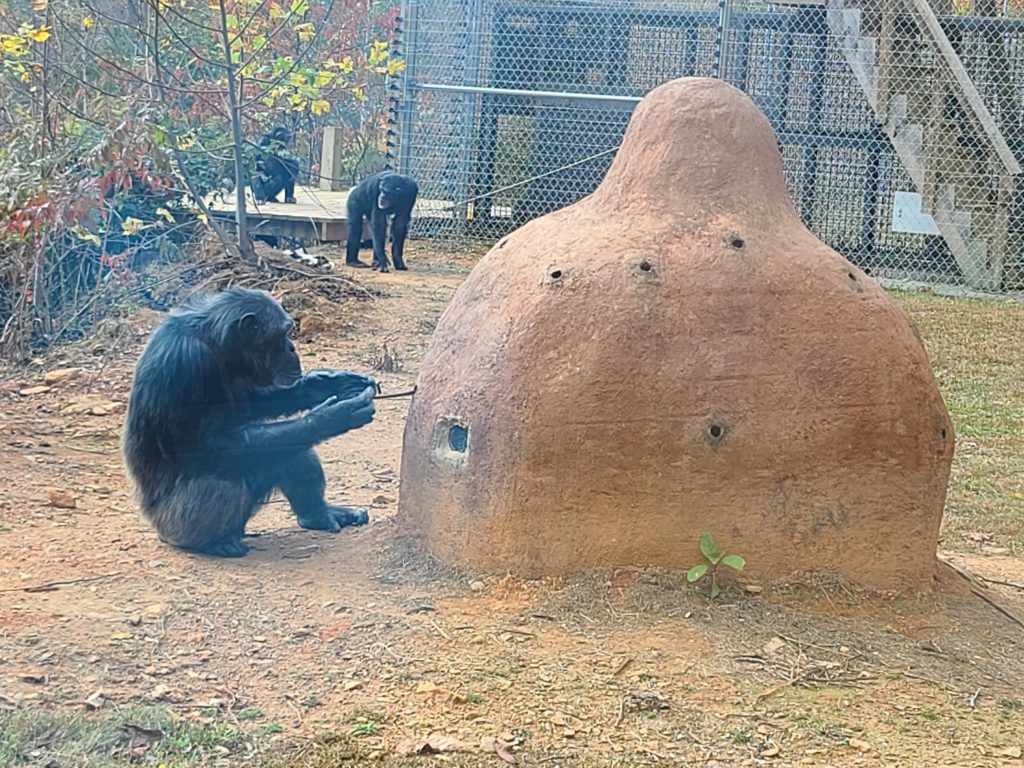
(276, 168)
(201, 442)
(381, 195)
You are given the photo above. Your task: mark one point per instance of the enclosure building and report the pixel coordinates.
(901, 122)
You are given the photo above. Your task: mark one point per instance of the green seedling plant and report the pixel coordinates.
(715, 560)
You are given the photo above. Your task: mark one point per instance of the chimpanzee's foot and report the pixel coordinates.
(333, 518)
(233, 547)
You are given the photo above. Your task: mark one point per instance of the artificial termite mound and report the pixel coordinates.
(677, 353)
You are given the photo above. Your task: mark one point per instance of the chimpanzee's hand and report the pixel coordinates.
(335, 417)
(321, 385)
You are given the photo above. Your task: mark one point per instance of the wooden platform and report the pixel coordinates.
(316, 215)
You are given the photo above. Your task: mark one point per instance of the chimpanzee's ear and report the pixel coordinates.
(248, 326)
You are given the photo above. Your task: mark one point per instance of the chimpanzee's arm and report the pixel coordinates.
(274, 178)
(251, 444)
(399, 231)
(357, 207)
(290, 169)
(400, 225)
(379, 228)
(308, 392)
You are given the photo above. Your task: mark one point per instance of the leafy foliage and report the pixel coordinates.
(713, 559)
(120, 118)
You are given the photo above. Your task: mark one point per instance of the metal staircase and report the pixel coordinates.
(924, 98)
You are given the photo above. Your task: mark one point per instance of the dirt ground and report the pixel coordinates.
(315, 634)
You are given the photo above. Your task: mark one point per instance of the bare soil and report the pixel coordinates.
(350, 634)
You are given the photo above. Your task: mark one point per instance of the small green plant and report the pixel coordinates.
(714, 560)
(365, 729)
(1009, 707)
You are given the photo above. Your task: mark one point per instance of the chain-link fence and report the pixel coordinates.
(901, 122)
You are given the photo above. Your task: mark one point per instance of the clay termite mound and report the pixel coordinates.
(677, 353)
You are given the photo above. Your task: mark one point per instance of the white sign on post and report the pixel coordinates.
(907, 215)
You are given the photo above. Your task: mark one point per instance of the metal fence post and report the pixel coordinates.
(724, 43)
(407, 108)
(470, 74)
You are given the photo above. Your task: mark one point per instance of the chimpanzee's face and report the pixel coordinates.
(282, 135)
(283, 360)
(392, 189)
(265, 343)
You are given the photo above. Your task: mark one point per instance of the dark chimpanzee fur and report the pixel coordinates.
(200, 441)
(381, 195)
(276, 170)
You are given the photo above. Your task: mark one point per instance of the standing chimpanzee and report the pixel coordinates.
(276, 168)
(376, 198)
(201, 442)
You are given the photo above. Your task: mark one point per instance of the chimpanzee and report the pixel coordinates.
(276, 169)
(376, 198)
(201, 442)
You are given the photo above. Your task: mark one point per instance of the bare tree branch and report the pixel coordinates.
(222, 235)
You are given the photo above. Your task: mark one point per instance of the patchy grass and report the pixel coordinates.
(61, 737)
(977, 351)
(38, 737)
